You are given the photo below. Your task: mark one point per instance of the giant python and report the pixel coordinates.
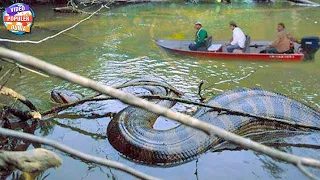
(131, 130)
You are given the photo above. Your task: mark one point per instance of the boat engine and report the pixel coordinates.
(310, 46)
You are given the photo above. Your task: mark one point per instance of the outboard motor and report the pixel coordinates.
(309, 46)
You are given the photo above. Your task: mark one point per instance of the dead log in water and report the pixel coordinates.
(74, 8)
(10, 92)
(66, 9)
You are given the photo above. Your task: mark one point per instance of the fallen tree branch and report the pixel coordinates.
(36, 160)
(67, 9)
(214, 108)
(83, 132)
(236, 80)
(199, 92)
(5, 74)
(306, 172)
(22, 114)
(228, 111)
(65, 106)
(92, 98)
(76, 153)
(22, 67)
(10, 92)
(138, 102)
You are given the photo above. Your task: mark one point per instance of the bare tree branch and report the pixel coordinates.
(236, 80)
(10, 71)
(76, 153)
(22, 67)
(92, 98)
(24, 116)
(214, 108)
(81, 131)
(306, 172)
(10, 92)
(138, 102)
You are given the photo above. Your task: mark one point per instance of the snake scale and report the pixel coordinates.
(131, 132)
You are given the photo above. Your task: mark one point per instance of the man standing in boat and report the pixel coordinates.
(282, 43)
(200, 40)
(238, 38)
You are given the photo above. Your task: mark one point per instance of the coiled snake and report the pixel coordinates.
(131, 133)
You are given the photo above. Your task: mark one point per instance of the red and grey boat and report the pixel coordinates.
(216, 50)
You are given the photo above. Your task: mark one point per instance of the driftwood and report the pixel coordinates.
(35, 160)
(10, 92)
(16, 112)
(22, 115)
(66, 9)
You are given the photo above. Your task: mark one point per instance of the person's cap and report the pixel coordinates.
(198, 23)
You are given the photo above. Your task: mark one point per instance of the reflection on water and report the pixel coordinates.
(116, 46)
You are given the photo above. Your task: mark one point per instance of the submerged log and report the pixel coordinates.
(66, 9)
(36, 160)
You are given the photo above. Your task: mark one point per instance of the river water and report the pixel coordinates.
(116, 46)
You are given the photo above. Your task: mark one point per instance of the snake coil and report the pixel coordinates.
(130, 132)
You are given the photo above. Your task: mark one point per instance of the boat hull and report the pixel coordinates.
(181, 47)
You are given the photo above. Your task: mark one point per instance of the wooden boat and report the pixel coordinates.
(217, 50)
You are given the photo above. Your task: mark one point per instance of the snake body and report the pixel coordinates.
(131, 133)
(65, 96)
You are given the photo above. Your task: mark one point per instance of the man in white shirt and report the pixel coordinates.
(238, 38)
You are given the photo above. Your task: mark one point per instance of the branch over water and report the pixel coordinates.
(76, 153)
(138, 102)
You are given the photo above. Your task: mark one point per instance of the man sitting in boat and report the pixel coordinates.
(238, 38)
(200, 39)
(282, 43)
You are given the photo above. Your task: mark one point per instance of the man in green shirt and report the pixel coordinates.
(200, 40)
